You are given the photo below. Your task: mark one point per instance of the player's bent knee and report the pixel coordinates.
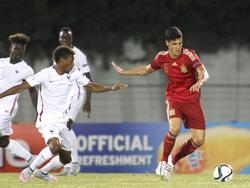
(4, 141)
(65, 156)
(54, 145)
(174, 131)
(199, 141)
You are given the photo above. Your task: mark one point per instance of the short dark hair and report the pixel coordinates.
(62, 51)
(172, 33)
(19, 38)
(65, 29)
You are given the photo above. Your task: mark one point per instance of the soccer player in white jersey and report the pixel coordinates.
(13, 70)
(79, 95)
(55, 83)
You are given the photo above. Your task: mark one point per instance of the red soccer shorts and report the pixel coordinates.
(190, 112)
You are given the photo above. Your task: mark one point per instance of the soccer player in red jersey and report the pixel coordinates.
(186, 74)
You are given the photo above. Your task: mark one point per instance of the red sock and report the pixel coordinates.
(184, 150)
(168, 145)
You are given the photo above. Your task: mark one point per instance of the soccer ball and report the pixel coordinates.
(223, 172)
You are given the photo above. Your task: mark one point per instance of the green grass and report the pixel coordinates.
(87, 180)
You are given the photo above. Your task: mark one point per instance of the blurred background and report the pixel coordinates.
(130, 32)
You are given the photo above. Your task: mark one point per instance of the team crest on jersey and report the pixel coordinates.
(184, 69)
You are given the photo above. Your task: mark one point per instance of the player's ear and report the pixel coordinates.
(167, 43)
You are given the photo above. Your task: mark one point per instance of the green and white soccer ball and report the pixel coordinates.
(223, 172)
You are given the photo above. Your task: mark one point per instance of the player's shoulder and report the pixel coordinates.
(47, 70)
(190, 53)
(4, 60)
(78, 51)
(161, 54)
(25, 66)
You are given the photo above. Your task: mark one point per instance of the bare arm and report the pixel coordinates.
(202, 78)
(98, 88)
(16, 89)
(137, 71)
(87, 104)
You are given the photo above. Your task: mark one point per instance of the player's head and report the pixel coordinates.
(18, 45)
(64, 58)
(66, 36)
(174, 40)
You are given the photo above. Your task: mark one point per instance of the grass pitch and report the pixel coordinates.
(120, 180)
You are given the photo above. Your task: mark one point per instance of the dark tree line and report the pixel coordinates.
(103, 25)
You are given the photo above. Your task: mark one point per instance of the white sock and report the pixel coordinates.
(17, 149)
(42, 157)
(54, 164)
(74, 151)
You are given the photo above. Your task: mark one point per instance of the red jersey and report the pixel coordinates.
(181, 73)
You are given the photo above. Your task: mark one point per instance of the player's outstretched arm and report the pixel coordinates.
(137, 71)
(202, 78)
(99, 88)
(15, 89)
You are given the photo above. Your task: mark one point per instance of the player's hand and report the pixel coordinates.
(87, 108)
(196, 87)
(117, 68)
(119, 86)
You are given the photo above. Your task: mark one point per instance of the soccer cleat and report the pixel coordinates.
(26, 175)
(160, 168)
(65, 172)
(45, 177)
(74, 170)
(168, 169)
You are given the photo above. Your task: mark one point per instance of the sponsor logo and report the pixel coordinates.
(174, 64)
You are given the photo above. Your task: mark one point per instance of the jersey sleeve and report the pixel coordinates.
(83, 64)
(37, 78)
(81, 61)
(83, 80)
(25, 71)
(79, 78)
(155, 64)
(194, 58)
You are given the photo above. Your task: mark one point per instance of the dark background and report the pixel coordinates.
(103, 25)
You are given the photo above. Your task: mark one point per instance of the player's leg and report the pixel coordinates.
(174, 119)
(74, 155)
(57, 162)
(64, 156)
(197, 140)
(46, 154)
(11, 145)
(51, 136)
(196, 121)
(75, 106)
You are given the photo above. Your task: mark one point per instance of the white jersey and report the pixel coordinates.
(80, 61)
(81, 64)
(54, 93)
(11, 75)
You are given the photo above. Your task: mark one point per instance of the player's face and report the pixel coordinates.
(175, 47)
(17, 51)
(65, 38)
(68, 64)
